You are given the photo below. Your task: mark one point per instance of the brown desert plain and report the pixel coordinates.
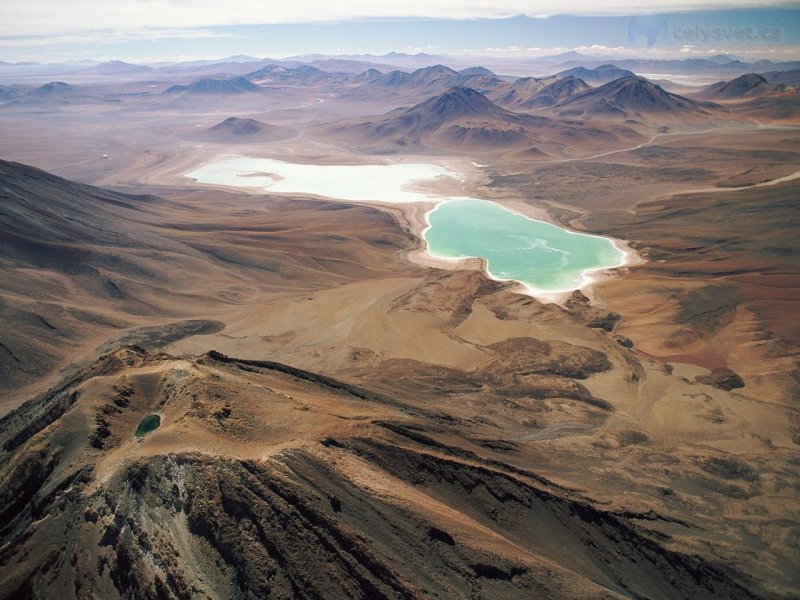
(340, 415)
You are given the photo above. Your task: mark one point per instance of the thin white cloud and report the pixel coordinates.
(782, 52)
(48, 17)
(108, 37)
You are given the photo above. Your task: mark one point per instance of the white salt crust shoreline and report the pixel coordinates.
(418, 224)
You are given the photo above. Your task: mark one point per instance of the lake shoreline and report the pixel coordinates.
(418, 222)
(417, 204)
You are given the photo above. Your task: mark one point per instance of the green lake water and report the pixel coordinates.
(148, 424)
(540, 255)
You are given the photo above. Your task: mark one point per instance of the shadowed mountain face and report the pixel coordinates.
(82, 263)
(238, 126)
(368, 75)
(235, 130)
(435, 79)
(79, 238)
(300, 75)
(597, 76)
(457, 103)
(48, 221)
(53, 88)
(428, 77)
(478, 81)
(768, 96)
(791, 77)
(428, 117)
(118, 67)
(780, 105)
(392, 79)
(463, 116)
(235, 85)
(631, 96)
(556, 92)
(50, 95)
(482, 71)
(521, 90)
(435, 75)
(751, 85)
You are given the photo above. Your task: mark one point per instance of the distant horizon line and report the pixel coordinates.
(361, 57)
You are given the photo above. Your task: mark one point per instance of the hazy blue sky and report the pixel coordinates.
(151, 30)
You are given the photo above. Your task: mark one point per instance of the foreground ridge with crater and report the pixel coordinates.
(395, 503)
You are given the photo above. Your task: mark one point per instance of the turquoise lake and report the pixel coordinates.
(540, 255)
(543, 257)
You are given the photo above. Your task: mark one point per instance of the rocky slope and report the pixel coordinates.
(256, 463)
(82, 264)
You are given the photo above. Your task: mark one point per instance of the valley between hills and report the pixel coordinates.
(340, 414)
